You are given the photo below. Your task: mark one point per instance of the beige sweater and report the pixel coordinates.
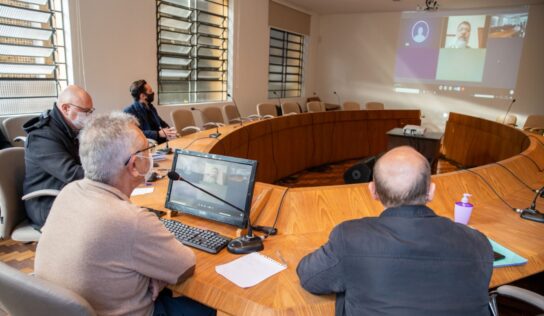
(98, 244)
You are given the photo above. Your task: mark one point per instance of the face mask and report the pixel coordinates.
(150, 97)
(81, 119)
(149, 172)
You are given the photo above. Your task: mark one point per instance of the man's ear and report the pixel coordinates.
(372, 190)
(430, 193)
(64, 108)
(131, 165)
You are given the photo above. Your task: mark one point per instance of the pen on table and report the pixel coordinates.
(278, 253)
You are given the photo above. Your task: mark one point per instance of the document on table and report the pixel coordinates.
(250, 270)
(140, 191)
(510, 258)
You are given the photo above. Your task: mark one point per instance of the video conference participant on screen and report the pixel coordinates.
(462, 37)
(407, 261)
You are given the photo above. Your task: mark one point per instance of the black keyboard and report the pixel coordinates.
(205, 240)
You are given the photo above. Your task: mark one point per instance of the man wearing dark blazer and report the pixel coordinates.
(407, 261)
(142, 108)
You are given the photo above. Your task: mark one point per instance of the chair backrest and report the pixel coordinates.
(314, 98)
(509, 119)
(351, 106)
(534, 121)
(13, 127)
(231, 113)
(315, 106)
(289, 107)
(212, 114)
(374, 106)
(21, 294)
(12, 210)
(182, 118)
(266, 109)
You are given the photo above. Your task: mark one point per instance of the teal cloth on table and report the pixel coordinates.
(511, 258)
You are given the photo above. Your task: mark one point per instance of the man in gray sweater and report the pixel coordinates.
(116, 255)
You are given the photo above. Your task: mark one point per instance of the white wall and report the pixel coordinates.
(115, 44)
(356, 54)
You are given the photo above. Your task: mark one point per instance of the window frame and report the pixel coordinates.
(287, 64)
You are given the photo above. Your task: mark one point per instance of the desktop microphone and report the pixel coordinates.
(213, 135)
(509, 108)
(279, 99)
(337, 98)
(241, 245)
(237, 111)
(531, 213)
(167, 150)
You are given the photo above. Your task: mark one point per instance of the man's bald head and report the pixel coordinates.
(402, 177)
(75, 95)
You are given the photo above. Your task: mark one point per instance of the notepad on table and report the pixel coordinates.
(250, 270)
(510, 258)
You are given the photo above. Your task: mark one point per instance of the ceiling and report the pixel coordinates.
(367, 6)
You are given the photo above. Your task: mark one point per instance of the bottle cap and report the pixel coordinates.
(465, 197)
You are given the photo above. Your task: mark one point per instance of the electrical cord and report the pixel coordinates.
(492, 189)
(194, 140)
(515, 176)
(272, 230)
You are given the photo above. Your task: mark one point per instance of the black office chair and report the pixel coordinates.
(518, 293)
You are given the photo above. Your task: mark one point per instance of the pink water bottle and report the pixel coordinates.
(463, 210)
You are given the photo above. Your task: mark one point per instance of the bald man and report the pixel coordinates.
(407, 261)
(51, 153)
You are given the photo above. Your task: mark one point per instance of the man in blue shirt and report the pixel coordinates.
(407, 261)
(142, 108)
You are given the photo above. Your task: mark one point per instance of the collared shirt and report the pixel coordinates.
(99, 245)
(407, 261)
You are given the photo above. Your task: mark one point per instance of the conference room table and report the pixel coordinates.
(502, 165)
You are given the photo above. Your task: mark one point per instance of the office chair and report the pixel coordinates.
(22, 294)
(264, 109)
(288, 108)
(517, 293)
(351, 106)
(510, 119)
(212, 117)
(374, 106)
(534, 124)
(315, 106)
(13, 129)
(14, 223)
(233, 116)
(184, 121)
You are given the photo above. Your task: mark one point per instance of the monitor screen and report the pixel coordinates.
(470, 52)
(232, 179)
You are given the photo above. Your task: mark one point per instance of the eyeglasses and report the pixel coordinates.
(82, 109)
(140, 151)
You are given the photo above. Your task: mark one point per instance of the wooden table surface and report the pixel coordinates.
(308, 214)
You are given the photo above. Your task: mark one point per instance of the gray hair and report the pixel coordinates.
(106, 143)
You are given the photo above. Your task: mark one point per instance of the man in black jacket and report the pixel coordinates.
(407, 261)
(52, 149)
(142, 108)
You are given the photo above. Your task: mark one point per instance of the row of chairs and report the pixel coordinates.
(289, 108)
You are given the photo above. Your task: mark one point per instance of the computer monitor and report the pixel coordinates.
(229, 178)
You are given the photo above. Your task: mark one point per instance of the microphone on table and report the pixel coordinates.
(166, 150)
(508, 111)
(244, 244)
(531, 213)
(213, 135)
(279, 99)
(337, 98)
(237, 111)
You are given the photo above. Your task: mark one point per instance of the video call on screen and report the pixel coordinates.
(461, 49)
(227, 180)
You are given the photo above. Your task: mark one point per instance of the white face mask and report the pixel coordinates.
(147, 175)
(81, 119)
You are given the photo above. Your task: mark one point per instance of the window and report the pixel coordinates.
(192, 42)
(32, 55)
(285, 64)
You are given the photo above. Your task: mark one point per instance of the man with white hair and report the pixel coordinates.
(407, 261)
(51, 153)
(116, 255)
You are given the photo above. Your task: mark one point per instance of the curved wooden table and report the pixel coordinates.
(289, 144)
